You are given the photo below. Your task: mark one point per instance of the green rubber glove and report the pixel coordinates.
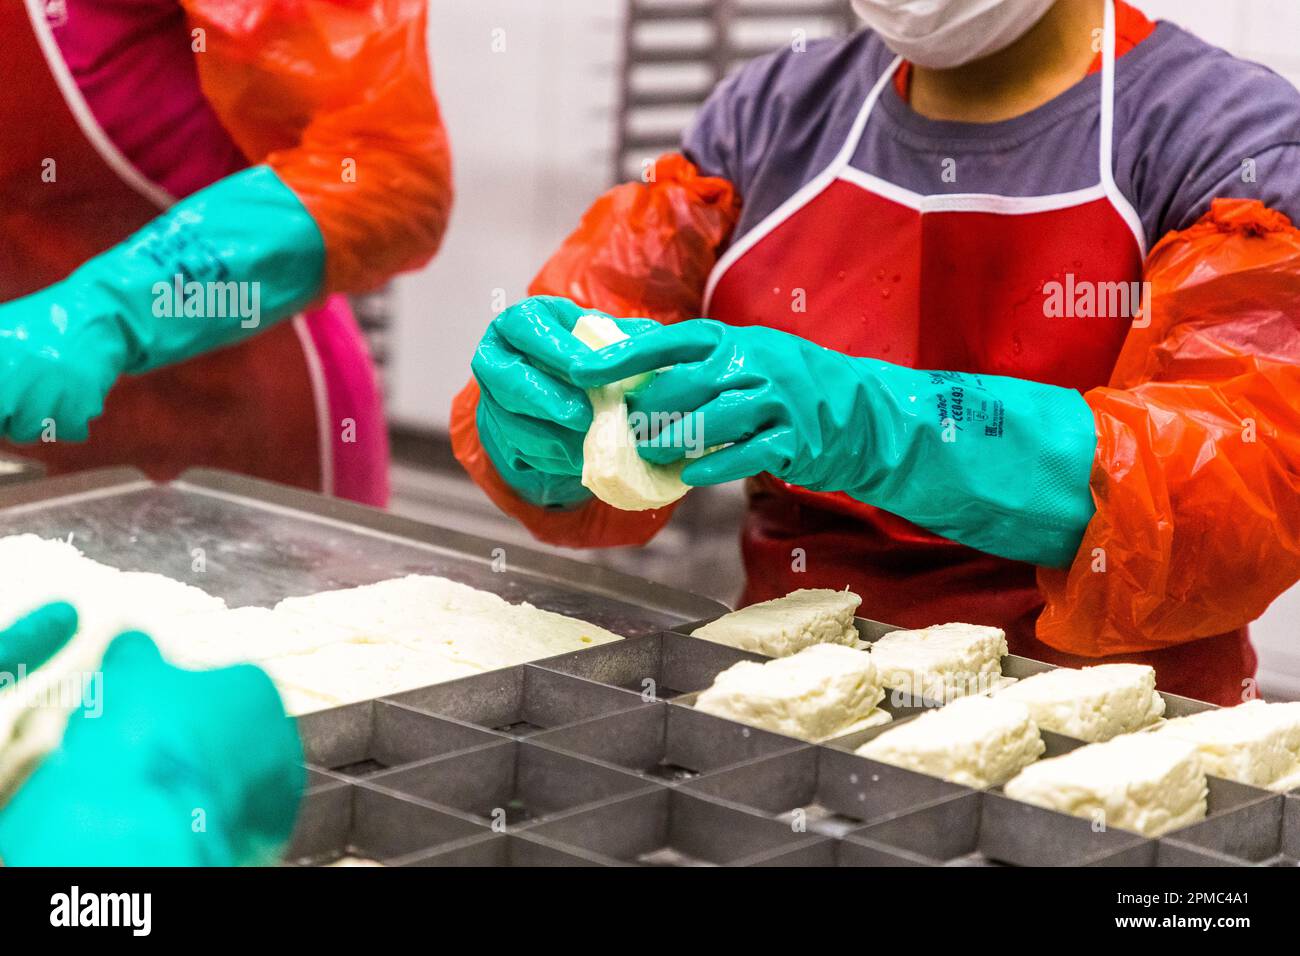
(33, 639)
(167, 767)
(531, 417)
(246, 243)
(999, 464)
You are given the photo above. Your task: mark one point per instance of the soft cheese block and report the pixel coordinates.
(431, 614)
(823, 691)
(942, 662)
(975, 741)
(1091, 703)
(1255, 743)
(245, 635)
(784, 625)
(612, 468)
(322, 650)
(345, 673)
(1146, 782)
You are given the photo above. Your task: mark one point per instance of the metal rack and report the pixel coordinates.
(676, 51)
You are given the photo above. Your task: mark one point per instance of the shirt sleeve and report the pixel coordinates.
(1197, 124)
(1268, 173)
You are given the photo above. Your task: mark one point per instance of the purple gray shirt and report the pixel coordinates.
(1188, 117)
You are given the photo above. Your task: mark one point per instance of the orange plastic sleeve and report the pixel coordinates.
(336, 96)
(1197, 472)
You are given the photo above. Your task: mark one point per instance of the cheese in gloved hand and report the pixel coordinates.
(974, 741)
(1091, 703)
(1253, 743)
(942, 662)
(823, 691)
(612, 468)
(784, 625)
(1147, 783)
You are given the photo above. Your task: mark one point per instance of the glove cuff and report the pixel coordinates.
(234, 258)
(998, 464)
(1060, 503)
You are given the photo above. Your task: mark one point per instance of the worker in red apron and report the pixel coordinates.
(1019, 355)
(186, 189)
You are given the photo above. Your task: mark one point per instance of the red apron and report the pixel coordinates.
(949, 282)
(250, 408)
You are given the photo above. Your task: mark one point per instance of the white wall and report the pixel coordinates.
(532, 130)
(1267, 31)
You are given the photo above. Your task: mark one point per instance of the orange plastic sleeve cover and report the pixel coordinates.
(645, 250)
(642, 250)
(1197, 472)
(336, 96)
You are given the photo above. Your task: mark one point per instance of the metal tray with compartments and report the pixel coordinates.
(597, 758)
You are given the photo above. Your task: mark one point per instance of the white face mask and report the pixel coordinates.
(945, 33)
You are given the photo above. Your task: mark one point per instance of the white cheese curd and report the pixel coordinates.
(245, 635)
(434, 615)
(821, 692)
(35, 571)
(612, 468)
(975, 741)
(942, 662)
(1091, 703)
(322, 650)
(1255, 743)
(346, 673)
(1148, 783)
(784, 625)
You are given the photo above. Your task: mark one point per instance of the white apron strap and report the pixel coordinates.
(1106, 159)
(807, 192)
